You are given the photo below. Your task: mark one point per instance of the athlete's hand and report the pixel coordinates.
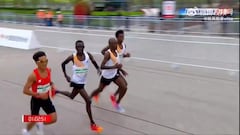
(118, 66)
(127, 55)
(124, 72)
(68, 78)
(53, 87)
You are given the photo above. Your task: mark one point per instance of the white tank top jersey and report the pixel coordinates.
(80, 69)
(110, 73)
(122, 51)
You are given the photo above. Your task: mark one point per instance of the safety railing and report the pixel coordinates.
(203, 26)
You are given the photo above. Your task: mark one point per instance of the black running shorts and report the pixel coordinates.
(78, 86)
(46, 105)
(108, 81)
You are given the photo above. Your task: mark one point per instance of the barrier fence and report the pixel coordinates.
(204, 25)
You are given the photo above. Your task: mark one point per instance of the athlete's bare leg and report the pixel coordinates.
(87, 99)
(98, 90)
(71, 95)
(122, 88)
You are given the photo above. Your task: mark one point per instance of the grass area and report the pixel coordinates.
(18, 11)
(35, 1)
(62, 1)
(26, 11)
(94, 13)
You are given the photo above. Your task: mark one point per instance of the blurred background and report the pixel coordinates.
(158, 16)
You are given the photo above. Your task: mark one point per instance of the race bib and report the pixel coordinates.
(43, 88)
(81, 72)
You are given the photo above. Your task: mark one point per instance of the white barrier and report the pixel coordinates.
(17, 38)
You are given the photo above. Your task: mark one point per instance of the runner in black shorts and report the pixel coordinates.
(122, 51)
(46, 105)
(108, 81)
(80, 68)
(39, 86)
(110, 66)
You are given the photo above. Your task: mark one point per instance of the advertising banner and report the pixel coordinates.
(16, 38)
(168, 9)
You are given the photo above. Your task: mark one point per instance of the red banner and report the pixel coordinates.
(36, 118)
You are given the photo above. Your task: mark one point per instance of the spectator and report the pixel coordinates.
(49, 17)
(41, 16)
(60, 18)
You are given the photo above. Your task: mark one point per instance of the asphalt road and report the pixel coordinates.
(177, 84)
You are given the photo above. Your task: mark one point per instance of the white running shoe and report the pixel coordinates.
(39, 126)
(120, 108)
(25, 132)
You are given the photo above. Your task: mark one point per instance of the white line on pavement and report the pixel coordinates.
(155, 60)
(141, 33)
(143, 38)
(180, 41)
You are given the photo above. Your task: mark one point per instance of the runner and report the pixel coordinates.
(121, 49)
(111, 72)
(39, 86)
(80, 68)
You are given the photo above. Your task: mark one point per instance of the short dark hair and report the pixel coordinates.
(79, 41)
(119, 32)
(111, 40)
(38, 54)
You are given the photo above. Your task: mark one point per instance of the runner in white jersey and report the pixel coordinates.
(111, 67)
(111, 73)
(121, 46)
(80, 68)
(121, 49)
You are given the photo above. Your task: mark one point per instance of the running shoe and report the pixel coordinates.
(119, 108)
(25, 132)
(96, 128)
(39, 126)
(96, 98)
(113, 99)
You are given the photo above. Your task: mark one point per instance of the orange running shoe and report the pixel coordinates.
(96, 98)
(96, 128)
(113, 99)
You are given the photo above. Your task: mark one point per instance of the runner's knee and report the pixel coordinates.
(71, 97)
(123, 88)
(53, 118)
(100, 90)
(89, 101)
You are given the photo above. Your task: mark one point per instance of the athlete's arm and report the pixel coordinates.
(94, 62)
(66, 61)
(51, 83)
(123, 72)
(26, 89)
(126, 54)
(105, 59)
(104, 50)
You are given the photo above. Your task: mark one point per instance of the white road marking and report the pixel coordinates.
(155, 60)
(141, 33)
(143, 38)
(185, 64)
